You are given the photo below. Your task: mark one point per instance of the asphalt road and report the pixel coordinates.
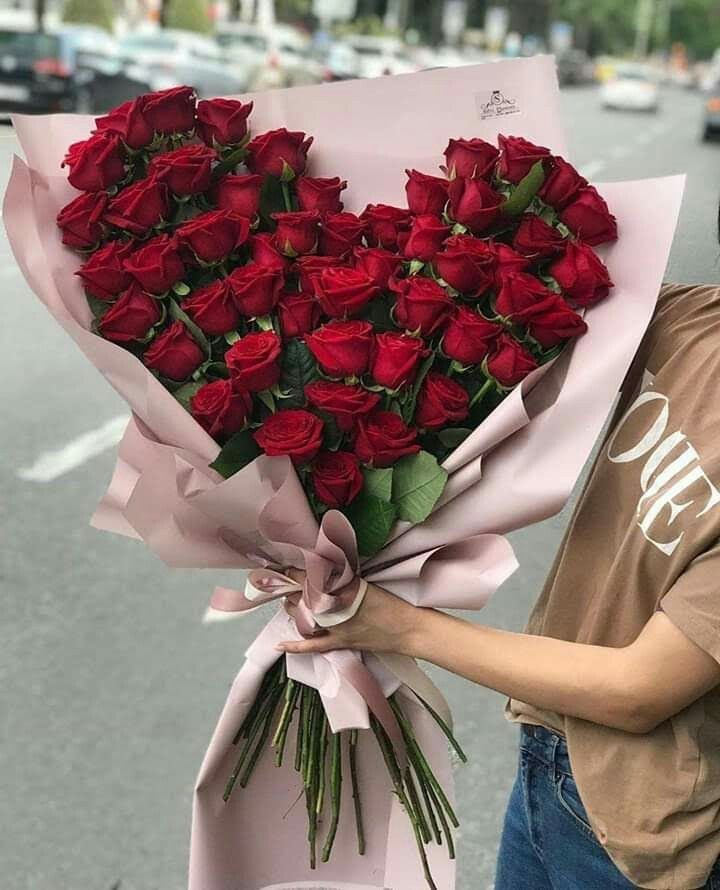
(109, 684)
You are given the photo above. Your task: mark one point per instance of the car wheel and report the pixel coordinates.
(84, 101)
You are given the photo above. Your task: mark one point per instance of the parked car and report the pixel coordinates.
(711, 117)
(340, 61)
(380, 55)
(631, 88)
(574, 68)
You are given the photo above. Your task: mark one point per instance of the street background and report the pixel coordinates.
(109, 683)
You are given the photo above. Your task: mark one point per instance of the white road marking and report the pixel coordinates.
(53, 464)
(592, 168)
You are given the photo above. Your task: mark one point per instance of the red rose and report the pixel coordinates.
(104, 274)
(510, 362)
(222, 121)
(342, 348)
(214, 235)
(518, 291)
(343, 292)
(129, 123)
(139, 207)
(472, 158)
(588, 217)
(581, 274)
(174, 353)
(336, 478)
(508, 261)
(296, 433)
(239, 193)
(213, 308)
(157, 265)
(474, 204)
(298, 313)
(130, 317)
(345, 403)
(320, 193)
(186, 170)
(535, 238)
(467, 264)
(263, 252)
(309, 266)
(255, 289)
(81, 220)
(561, 184)
(383, 438)
(421, 305)
(220, 409)
(426, 238)
(278, 150)
(518, 156)
(296, 233)
(469, 336)
(395, 359)
(441, 401)
(96, 163)
(385, 223)
(551, 321)
(254, 361)
(170, 111)
(377, 263)
(426, 195)
(339, 233)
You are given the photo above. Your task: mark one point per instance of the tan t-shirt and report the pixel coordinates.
(645, 536)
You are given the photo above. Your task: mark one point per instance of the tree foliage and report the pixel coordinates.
(89, 12)
(187, 15)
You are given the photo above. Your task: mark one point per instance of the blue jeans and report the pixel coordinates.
(547, 842)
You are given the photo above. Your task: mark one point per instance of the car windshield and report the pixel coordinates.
(632, 74)
(148, 41)
(252, 41)
(29, 45)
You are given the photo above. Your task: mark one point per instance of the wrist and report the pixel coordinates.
(417, 638)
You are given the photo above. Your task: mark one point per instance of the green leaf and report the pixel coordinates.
(238, 452)
(418, 482)
(408, 408)
(453, 436)
(181, 289)
(187, 391)
(267, 398)
(298, 369)
(177, 314)
(271, 199)
(526, 189)
(332, 434)
(97, 307)
(372, 518)
(378, 482)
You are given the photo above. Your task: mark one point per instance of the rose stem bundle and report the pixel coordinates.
(318, 759)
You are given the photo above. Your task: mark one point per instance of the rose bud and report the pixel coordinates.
(470, 158)
(383, 438)
(384, 224)
(395, 359)
(297, 232)
(441, 401)
(508, 261)
(296, 433)
(129, 123)
(510, 362)
(469, 336)
(342, 348)
(213, 308)
(377, 263)
(213, 236)
(104, 274)
(421, 305)
(157, 265)
(561, 184)
(139, 207)
(474, 204)
(220, 409)
(466, 264)
(320, 193)
(426, 238)
(518, 156)
(535, 238)
(174, 353)
(345, 403)
(254, 361)
(263, 252)
(222, 121)
(336, 478)
(551, 321)
(339, 233)
(298, 313)
(277, 152)
(309, 266)
(130, 317)
(81, 220)
(518, 291)
(426, 195)
(186, 170)
(581, 274)
(170, 111)
(96, 163)
(255, 289)
(239, 193)
(588, 217)
(343, 292)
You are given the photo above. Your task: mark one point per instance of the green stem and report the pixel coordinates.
(444, 727)
(229, 163)
(482, 392)
(245, 778)
(299, 738)
(287, 199)
(292, 690)
(335, 791)
(262, 719)
(357, 804)
(321, 763)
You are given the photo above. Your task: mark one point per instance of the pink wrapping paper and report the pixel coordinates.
(517, 468)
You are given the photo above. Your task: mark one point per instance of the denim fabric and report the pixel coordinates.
(547, 842)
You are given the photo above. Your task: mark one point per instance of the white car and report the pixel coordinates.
(631, 88)
(380, 55)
